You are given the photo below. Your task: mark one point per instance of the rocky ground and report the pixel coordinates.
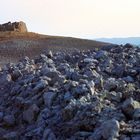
(82, 95)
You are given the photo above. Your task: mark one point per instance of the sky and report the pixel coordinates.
(77, 18)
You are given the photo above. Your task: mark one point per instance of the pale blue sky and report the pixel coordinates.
(78, 18)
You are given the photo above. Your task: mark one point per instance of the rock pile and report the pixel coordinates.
(82, 95)
(15, 26)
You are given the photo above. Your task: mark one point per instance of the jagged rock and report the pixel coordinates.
(29, 115)
(114, 96)
(91, 86)
(48, 98)
(136, 115)
(118, 70)
(16, 74)
(40, 85)
(50, 54)
(92, 74)
(101, 54)
(68, 112)
(128, 79)
(129, 107)
(111, 84)
(108, 130)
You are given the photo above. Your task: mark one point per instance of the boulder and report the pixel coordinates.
(29, 115)
(48, 98)
(109, 130)
(21, 26)
(129, 107)
(15, 26)
(136, 115)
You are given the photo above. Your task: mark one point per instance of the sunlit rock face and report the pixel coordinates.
(15, 26)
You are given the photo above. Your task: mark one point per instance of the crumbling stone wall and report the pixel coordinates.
(15, 26)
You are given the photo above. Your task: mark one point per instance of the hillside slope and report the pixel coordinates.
(15, 45)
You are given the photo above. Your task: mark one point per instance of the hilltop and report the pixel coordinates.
(14, 45)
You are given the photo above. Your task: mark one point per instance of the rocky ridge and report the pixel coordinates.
(82, 95)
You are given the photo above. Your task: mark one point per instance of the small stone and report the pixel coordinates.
(128, 79)
(16, 74)
(49, 54)
(88, 60)
(44, 58)
(91, 86)
(111, 84)
(95, 74)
